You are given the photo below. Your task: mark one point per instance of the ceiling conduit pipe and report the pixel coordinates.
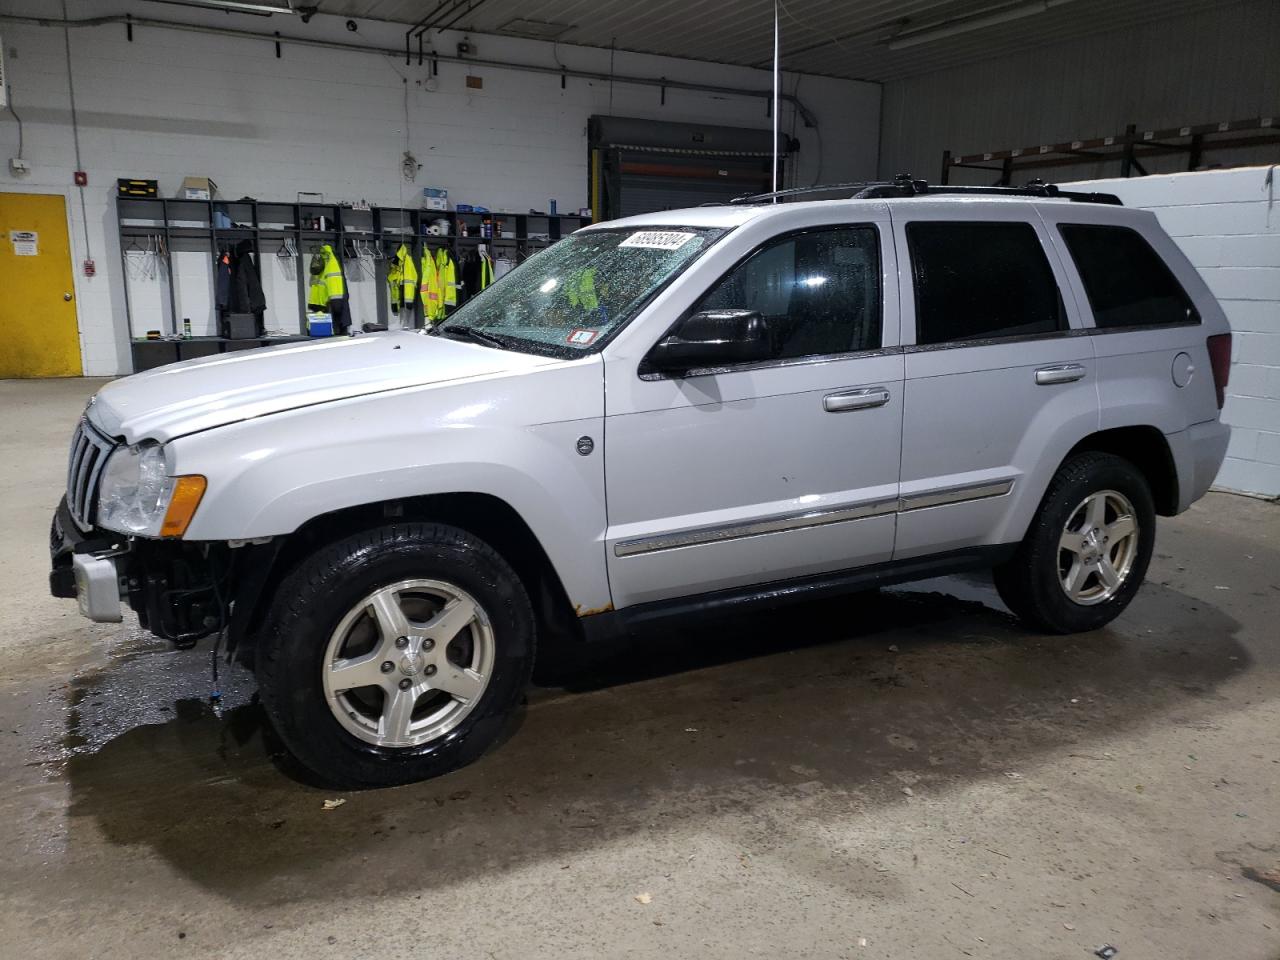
(806, 115)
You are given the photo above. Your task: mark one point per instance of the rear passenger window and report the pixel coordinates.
(977, 280)
(1127, 282)
(818, 291)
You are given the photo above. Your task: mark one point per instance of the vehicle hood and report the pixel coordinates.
(195, 395)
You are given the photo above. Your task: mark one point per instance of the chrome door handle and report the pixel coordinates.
(855, 400)
(1064, 373)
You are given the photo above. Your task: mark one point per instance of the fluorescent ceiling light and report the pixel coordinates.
(536, 29)
(237, 6)
(954, 28)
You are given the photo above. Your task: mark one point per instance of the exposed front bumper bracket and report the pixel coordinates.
(97, 587)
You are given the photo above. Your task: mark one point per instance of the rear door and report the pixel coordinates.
(999, 382)
(772, 470)
(1153, 364)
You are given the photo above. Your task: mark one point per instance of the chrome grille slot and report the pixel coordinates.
(89, 452)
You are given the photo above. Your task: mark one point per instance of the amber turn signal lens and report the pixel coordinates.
(187, 492)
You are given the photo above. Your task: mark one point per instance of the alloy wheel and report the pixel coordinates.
(1098, 546)
(408, 663)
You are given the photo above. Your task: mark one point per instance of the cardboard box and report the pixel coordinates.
(435, 198)
(197, 188)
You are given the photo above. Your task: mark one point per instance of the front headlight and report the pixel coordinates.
(136, 495)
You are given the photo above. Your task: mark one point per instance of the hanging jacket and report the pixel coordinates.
(246, 285)
(439, 284)
(317, 292)
(222, 281)
(469, 272)
(402, 280)
(448, 273)
(333, 281)
(480, 272)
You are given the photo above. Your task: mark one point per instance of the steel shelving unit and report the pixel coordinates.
(264, 223)
(1129, 148)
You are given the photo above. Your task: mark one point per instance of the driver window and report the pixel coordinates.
(818, 291)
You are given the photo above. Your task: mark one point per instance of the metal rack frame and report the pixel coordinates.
(1130, 148)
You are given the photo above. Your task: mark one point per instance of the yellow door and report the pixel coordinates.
(38, 333)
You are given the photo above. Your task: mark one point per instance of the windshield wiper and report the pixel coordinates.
(471, 333)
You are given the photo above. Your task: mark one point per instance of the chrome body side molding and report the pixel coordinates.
(699, 536)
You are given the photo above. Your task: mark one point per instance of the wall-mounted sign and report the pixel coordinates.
(25, 243)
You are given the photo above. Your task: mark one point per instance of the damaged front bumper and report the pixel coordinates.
(180, 590)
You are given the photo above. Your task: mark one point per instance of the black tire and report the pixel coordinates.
(1029, 583)
(312, 600)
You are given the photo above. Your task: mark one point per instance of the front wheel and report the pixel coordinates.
(1087, 549)
(396, 654)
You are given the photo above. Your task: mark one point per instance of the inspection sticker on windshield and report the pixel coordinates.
(580, 337)
(658, 239)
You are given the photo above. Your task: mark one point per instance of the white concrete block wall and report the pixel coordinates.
(1228, 224)
(178, 103)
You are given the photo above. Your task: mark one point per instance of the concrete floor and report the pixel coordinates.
(907, 775)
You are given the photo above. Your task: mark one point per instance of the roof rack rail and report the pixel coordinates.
(853, 187)
(906, 186)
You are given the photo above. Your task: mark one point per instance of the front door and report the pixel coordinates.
(773, 470)
(37, 311)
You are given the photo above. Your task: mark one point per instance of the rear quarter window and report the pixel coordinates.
(1127, 282)
(978, 280)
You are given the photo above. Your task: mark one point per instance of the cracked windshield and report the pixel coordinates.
(570, 297)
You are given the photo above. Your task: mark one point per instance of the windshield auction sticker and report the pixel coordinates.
(658, 240)
(580, 337)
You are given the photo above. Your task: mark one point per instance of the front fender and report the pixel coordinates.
(513, 438)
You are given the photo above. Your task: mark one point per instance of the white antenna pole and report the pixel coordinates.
(776, 83)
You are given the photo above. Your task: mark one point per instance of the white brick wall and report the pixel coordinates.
(1228, 224)
(176, 103)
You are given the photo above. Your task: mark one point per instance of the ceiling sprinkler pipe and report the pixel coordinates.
(806, 115)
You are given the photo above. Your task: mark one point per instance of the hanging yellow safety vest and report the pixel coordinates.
(439, 285)
(448, 271)
(486, 270)
(317, 292)
(402, 280)
(334, 284)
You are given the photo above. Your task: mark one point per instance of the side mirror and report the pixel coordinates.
(712, 338)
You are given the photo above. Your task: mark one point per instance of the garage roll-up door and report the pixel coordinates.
(640, 166)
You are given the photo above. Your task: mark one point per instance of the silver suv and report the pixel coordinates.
(701, 410)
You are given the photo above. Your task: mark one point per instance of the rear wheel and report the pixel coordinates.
(396, 654)
(1087, 549)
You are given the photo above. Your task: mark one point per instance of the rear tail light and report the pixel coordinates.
(1220, 362)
